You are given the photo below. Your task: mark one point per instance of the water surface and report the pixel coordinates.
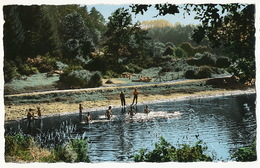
(222, 123)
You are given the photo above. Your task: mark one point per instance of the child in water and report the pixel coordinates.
(88, 118)
(146, 110)
(109, 113)
(132, 111)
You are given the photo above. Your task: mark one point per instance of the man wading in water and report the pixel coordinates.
(135, 93)
(122, 98)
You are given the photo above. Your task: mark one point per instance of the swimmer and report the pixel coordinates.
(88, 118)
(146, 110)
(30, 115)
(108, 113)
(132, 111)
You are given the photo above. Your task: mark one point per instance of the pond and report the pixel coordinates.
(223, 124)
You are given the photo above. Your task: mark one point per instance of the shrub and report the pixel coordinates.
(202, 59)
(190, 74)
(133, 68)
(245, 154)
(222, 62)
(10, 71)
(110, 74)
(203, 72)
(165, 152)
(80, 78)
(168, 51)
(207, 59)
(80, 147)
(180, 53)
(192, 61)
(28, 70)
(166, 67)
(18, 145)
(95, 80)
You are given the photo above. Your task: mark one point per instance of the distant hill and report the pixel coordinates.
(155, 24)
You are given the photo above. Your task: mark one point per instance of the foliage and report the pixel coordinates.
(176, 34)
(95, 80)
(80, 147)
(222, 62)
(156, 24)
(199, 73)
(125, 41)
(202, 59)
(180, 53)
(190, 74)
(28, 69)
(204, 72)
(51, 32)
(10, 71)
(246, 154)
(190, 50)
(229, 26)
(165, 152)
(168, 51)
(25, 148)
(80, 78)
(235, 32)
(77, 34)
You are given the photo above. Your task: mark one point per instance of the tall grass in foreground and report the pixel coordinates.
(23, 148)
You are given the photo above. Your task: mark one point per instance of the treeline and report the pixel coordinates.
(84, 47)
(36, 37)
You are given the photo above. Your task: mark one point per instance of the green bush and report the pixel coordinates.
(132, 68)
(165, 152)
(189, 74)
(192, 61)
(202, 59)
(18, 145)
(168, 51)
(180, 53)
(245, 154)
(95, 80)
(80, 78)
(207, 59)
(110, 74)
(10, 71)
(204, 72)
(223, 62)
(27, 69)
(80, 147)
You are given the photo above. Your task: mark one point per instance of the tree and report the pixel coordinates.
(125, 41)
(228, 25)
(79, 43)
(235, 31)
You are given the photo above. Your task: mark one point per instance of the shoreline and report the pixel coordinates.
(102, 105)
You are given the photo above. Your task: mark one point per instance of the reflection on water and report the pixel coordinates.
(223, 123)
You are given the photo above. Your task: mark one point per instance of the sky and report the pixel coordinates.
(106, 11)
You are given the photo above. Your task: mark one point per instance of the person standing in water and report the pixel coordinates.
(88, 118)
(135, 93)
(39, 112)
(122, 98)
(109, 113)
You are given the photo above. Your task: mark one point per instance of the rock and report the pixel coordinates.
(109, 81)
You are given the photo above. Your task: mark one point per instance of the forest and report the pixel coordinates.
(78, 42)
